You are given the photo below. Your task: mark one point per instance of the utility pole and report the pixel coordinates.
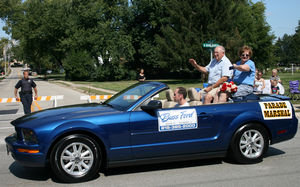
(4, 55)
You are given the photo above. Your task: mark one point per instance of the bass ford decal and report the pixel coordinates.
(171, 120)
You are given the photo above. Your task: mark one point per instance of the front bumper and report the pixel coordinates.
(25, 159)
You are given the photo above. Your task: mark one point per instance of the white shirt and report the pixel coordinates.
(185, 104)
(259, 84)
(218, 69)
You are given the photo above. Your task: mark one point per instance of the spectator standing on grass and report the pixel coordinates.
(26, 85)
(141, 76)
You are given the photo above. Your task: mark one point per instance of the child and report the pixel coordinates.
(275, 76)
(274, 87)
(259, 83)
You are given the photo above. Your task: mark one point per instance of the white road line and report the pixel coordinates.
(6, 128)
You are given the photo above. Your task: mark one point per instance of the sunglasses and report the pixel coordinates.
(245, 55)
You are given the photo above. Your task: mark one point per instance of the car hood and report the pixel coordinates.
(66, 112)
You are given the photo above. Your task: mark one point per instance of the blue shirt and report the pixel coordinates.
(219, 69)
(245, 77)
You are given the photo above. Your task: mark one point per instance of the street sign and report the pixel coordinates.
(211, 41)
(210, 45)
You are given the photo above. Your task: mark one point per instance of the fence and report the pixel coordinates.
(41, 98)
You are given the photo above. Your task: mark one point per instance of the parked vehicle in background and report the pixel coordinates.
(49, 71)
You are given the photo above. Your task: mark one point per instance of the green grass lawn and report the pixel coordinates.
(93, 91)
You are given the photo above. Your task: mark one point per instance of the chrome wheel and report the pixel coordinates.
(251, 144)
(77, 159)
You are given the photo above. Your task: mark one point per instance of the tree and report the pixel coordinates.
(51, 29)
(262, 43)
(232, 23)
(287, 49)
(145, 33)
(80, 65)
(144, 22)
(3, 43)
(296, 39)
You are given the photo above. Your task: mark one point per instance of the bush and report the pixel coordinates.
(132, 75)
(79, 66)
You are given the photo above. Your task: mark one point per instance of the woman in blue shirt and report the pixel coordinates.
(243, 75)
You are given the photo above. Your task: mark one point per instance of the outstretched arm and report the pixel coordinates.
(199, 68)
(244, 67)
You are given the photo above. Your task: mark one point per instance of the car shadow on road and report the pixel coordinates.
(271, 152)
(37, 174)
(46, 173)
(161, 166)
(274, 152)
(43, 174)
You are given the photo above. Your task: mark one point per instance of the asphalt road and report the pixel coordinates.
(280, 167)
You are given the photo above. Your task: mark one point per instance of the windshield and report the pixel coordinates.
(125, 98)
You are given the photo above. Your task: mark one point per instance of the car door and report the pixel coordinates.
(160, 134)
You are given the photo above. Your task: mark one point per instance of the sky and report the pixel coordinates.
(281, 15)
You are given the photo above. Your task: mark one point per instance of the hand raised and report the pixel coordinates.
(193, 62)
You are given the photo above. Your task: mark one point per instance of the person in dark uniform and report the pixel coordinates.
(26, 85)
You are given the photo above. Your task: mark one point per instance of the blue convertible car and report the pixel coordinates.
(134, 128)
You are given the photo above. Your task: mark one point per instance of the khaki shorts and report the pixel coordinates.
(212, 92)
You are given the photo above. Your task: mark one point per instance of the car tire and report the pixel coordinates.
(76, 158)
(249, 144)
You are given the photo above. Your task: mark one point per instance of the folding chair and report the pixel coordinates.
(294, 91)
(267, 89)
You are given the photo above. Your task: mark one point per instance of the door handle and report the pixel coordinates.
(204, 115)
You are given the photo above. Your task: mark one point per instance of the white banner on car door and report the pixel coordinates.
(170, 120)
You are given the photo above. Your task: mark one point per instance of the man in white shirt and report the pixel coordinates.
(218, 73)
(179, 96)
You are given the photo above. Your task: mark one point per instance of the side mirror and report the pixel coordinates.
(152, 105)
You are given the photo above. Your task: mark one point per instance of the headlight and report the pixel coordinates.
(29, 136)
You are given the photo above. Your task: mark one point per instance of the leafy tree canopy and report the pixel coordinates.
(121, 36)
